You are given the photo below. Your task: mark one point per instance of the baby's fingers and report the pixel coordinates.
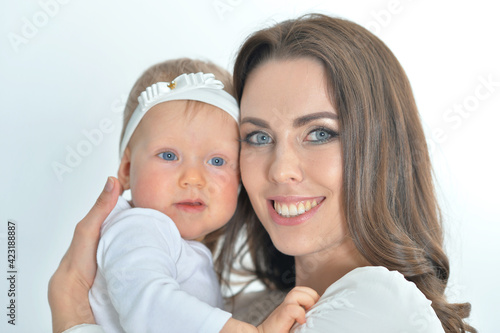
(295, 311)
(303, 296)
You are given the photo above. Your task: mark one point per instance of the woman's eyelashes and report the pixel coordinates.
(257, 138)
(318, 135)
(168, 156)
(321, 135)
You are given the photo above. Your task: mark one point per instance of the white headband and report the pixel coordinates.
(196, 87)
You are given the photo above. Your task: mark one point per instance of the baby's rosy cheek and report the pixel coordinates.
(225, 182)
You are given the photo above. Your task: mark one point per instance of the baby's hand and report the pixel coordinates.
(293, 309)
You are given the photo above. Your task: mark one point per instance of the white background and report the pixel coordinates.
(73, 68)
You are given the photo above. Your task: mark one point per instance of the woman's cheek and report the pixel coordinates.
(248, 165)
(324, 168)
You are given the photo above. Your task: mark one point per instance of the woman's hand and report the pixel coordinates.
(71, 282)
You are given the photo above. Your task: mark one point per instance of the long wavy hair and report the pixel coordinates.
(389, 200)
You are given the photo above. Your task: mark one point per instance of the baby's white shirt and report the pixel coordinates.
(149, 279)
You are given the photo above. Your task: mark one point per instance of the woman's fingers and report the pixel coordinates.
(81, 255)
(70, 284)
(104, 204)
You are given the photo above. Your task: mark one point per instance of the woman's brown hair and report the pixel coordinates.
(389, 201)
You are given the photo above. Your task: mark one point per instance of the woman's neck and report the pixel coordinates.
(321, 269)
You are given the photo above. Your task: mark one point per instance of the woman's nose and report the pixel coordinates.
(192, 176)
(286, 165)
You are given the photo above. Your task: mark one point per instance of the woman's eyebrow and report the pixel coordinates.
(301, 121)
(256, 121)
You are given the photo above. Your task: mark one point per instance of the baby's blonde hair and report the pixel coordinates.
(167, 71)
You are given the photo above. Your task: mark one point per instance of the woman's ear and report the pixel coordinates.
(124, 170)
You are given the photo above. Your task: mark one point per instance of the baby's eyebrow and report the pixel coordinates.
(301, 121)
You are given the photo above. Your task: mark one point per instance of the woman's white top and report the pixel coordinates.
(371, 299)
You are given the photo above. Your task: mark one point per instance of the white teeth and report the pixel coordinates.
(284, 210)
(301, 208)
(292, 209)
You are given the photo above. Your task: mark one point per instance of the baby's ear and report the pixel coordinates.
(124, 170)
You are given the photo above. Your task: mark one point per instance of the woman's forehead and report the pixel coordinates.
(286, 88)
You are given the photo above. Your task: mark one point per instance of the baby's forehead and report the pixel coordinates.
(187, 118)
(196, 108)
(186, 112)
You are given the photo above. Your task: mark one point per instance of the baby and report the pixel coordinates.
(179, 157)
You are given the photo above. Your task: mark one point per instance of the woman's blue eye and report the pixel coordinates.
(321, 135)
(217, 161)
(168, 156)
(258, 138)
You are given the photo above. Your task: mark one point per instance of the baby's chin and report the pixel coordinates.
(193, 236)
(196, 235)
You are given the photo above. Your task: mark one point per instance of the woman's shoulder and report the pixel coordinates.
(376, 280)
(372, 299)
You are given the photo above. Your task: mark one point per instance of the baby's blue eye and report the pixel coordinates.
(168, 156)
(217, 161)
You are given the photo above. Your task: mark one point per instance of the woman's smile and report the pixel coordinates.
(294, 206)
(293, 210)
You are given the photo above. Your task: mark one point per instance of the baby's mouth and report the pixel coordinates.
(191, 202)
